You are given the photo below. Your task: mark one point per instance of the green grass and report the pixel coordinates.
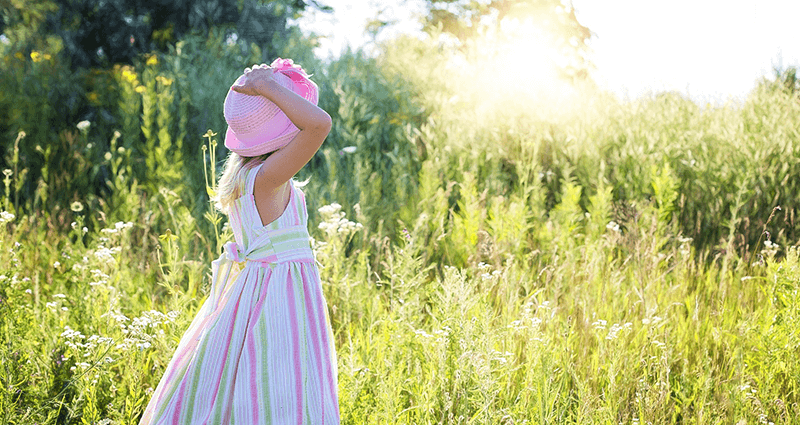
(602, 265)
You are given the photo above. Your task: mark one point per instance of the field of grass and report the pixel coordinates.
(593, 261)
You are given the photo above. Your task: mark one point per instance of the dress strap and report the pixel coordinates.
(251, 179)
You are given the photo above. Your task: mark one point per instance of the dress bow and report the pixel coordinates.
(232, 252)
(221, 270)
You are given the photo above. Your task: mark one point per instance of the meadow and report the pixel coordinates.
(521, 258)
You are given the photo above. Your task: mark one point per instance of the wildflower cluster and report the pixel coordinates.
(531, 321)
(83, 125)
(487, 275)
(438, 334)
(6, 217)
(106, 255)
(613, 333)
(99, 277)
(118, 227)
(685, 247)
(82, 346)
(503, 357)
(57, 304)
(334, 222)
(770, 249)
(37, 57)
(141, 331)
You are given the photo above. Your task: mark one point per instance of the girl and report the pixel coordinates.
(260, 350)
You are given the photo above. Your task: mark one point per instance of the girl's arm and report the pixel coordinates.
(313, 122)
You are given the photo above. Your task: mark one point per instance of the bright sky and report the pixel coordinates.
(710, 49)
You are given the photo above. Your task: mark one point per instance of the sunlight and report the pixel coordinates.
(512, 70)
(529, 59)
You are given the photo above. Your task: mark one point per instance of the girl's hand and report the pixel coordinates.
(256, 81)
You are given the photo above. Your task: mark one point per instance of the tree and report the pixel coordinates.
(102, 33)
(466, 19)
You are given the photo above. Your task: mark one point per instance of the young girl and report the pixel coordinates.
(260, 350)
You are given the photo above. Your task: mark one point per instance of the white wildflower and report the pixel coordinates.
(613, 333)
(516, 325)
(652, 320)
(599, 325)
(349, 149)
(59, 296)
(613, 226)
(231, 40)
(6, 216)
(771, 248)
(330, 209)
(106, 255)
(422, 333)
(83, 125)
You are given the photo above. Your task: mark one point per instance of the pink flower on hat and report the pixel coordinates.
(287, 65)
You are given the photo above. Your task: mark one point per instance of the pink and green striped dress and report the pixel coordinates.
(260, 350)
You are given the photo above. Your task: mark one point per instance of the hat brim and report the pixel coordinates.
(281, 130)
(261, 145)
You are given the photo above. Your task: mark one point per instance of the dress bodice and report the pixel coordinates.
(284, 239)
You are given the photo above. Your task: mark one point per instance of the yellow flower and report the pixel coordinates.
(36, 56)
(93, 97)
(163, 80)
(152, 60)
(139, 89)
(47, 57)
(128, 75)
(168, 236)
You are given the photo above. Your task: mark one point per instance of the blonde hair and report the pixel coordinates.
(233, 172)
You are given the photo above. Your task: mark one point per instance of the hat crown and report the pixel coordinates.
(256, 125)
(247, 114)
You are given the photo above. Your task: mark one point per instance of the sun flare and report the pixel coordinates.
(512, 70)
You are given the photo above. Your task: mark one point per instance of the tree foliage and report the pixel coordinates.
(102, 33)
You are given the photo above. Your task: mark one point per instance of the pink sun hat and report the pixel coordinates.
(256, 125)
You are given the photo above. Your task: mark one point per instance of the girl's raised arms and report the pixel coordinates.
(313, 122)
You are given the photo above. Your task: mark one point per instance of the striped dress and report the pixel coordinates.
(260, 350)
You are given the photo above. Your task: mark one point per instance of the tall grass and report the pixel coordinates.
(606, 264)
